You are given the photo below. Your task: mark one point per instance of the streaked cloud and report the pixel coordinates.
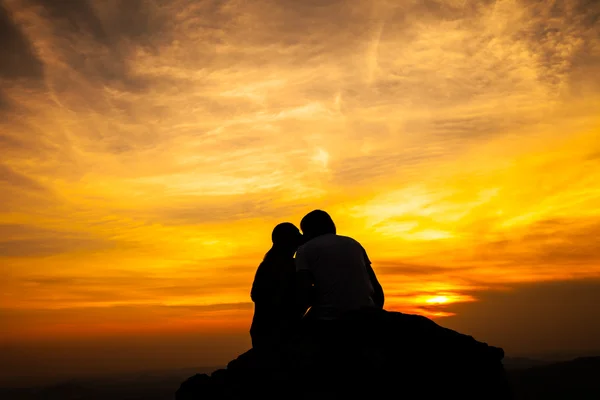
(149, 147)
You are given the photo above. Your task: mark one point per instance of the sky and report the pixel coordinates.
(148, 148)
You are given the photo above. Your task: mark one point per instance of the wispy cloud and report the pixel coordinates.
(149, 146)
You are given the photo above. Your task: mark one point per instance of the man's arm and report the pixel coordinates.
(304, 291)
(304, 283)
(378, 296)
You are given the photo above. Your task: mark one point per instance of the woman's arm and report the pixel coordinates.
(263, 285)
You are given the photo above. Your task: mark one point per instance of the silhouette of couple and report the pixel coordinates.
(320, 314)
(331, 276)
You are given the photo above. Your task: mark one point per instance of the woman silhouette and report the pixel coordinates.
(273, 290)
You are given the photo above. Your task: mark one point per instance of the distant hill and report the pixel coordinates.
(143, 385)
(577, 379)
(523, 362)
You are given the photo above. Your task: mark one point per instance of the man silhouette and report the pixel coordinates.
(352, 344)
(333, 272)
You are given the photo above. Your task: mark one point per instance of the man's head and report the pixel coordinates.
(317, 223)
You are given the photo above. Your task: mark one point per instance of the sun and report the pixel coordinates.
(437, 300)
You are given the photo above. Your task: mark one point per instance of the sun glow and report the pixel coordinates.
(438, 300)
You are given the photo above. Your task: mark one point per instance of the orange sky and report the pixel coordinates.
(149, 147)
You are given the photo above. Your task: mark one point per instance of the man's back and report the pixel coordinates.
(339, 267)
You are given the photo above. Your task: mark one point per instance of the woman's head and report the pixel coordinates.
(286, 236)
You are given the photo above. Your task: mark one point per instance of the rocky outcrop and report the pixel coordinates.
(368, 354)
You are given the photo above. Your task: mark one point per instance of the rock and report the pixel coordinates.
(219, 377)
(197, 387)
(365, 355)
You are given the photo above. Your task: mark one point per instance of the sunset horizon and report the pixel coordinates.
(150, 147)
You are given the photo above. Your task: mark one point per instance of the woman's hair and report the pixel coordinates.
(286, 238)
(285, 234)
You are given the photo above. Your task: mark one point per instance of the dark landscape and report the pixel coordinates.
(576, 379)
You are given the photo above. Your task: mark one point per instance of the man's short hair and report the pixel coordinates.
(317, 223)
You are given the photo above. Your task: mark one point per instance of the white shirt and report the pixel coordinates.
(339, 267)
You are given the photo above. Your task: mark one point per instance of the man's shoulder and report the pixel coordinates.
(348, 241)
(316, 243)
(328, 240)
